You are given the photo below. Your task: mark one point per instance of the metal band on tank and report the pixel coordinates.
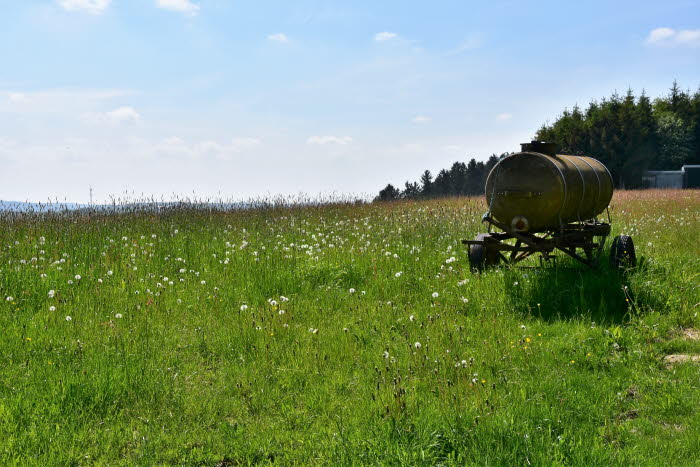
(583, 184)
(563, 179)
(612, 180)
(597, 198)
(493, 191)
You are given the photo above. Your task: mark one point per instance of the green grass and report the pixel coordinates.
(513, 366)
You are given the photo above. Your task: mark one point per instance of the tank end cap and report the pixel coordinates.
(520, 224)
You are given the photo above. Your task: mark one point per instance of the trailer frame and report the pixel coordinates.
(491, 248)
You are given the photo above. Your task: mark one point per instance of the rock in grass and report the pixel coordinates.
(680, 358)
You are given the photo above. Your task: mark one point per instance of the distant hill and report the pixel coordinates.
(24, 206)
(161, 206)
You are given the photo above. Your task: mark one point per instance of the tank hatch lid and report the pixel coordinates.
(542, 147)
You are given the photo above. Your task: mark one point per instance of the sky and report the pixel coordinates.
(239, 99)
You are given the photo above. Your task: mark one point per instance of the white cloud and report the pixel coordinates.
(123, 114)
(669, 36)
(688, 36)
(420, 119)
(177, 147)
(94, 7)
(504, 117)
(453, 148)
(62, 101)
(385, 36)
(473, 42)
(410, 147)
(16, 97)
(660, 34)
(279, 37)
(119, 115)
(329, 140)
(181, 6)
(240, 144)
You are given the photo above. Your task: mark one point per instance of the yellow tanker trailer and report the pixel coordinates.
(542, 201)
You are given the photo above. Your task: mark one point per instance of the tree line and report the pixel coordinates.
(629, 134)
(459, 180)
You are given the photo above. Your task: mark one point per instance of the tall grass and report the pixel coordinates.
(340, 333)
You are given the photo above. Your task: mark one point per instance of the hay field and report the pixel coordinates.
(342, 334)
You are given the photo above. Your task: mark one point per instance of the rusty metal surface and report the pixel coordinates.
(547, 190)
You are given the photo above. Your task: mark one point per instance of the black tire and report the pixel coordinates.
(480, 257)
(622, 253)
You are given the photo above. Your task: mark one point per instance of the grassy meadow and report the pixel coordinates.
(343, 334)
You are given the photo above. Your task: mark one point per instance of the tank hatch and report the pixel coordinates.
(542, 147)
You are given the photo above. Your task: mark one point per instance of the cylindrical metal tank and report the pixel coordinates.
(537, 189)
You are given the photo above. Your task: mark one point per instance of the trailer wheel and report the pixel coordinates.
(480, 256)
(622, 253)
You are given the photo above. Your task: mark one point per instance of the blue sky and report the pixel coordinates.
(235, 99)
